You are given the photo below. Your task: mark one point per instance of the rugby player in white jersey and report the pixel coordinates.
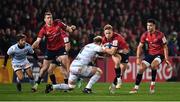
(79, 68)
(20, 62)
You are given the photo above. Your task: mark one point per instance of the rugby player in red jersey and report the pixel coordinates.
(157, 52)
(56, 45)
(117, 47)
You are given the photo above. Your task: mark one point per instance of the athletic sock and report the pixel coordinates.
(53, 78)
(93, 80)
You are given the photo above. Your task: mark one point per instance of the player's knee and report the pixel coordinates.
(99, 71)
(155, 65)
(20, 78)
(43, 69)
(142, 68)
(117, 65)
(50, 71)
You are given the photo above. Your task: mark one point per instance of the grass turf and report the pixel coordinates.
(166, 91)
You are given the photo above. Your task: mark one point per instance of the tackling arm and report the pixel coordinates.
(111, 51)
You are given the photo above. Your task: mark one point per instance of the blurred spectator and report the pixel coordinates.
(6, 43)
(127, 16)
(172, 44)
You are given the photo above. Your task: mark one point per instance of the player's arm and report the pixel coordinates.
(139, 52)
(36, 43)
(165, 47)
(66, 41)
(111, 50)
(67, 46)
(34, 55)
(124, 46)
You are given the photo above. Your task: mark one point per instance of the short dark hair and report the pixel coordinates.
(151, 21)
(47, 13)
(20, 36)
(97, 39)
(108, 27)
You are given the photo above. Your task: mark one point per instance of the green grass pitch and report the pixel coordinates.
(165, 91)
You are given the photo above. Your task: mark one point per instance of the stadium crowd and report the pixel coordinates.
(126, 16)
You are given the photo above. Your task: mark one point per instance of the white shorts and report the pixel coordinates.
(21, 66)
(77, 71)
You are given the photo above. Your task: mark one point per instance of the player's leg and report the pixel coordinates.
(94, 73)
(117, 79)
(51, 68)
(30, 75)
(123, 65)
(65, 66)
(142, 68)
(19, 78)
(71, 84)
(44, 68)
(51, 87)
(154, 65)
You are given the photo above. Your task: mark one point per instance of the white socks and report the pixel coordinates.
(93, 80)
(152, 83)
(119, 81)
(136, 86)
(61, 86)
(17, 80)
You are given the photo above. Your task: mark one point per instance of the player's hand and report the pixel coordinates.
(138, 60)
(35, 45)
(73, 27)
(168, 64)
(125, 51)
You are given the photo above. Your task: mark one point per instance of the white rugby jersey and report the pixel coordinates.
(86, 54)
(19, 55)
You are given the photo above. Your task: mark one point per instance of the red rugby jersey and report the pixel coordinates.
(53, 34)
(116, 41)
(155, 42)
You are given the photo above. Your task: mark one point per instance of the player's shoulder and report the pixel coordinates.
(43, 28)
(159, 33)
(144, 33)
(14, 46)
(92, 45)
(117, 36)
(103, 37)
(27, 45)
(56, 21)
